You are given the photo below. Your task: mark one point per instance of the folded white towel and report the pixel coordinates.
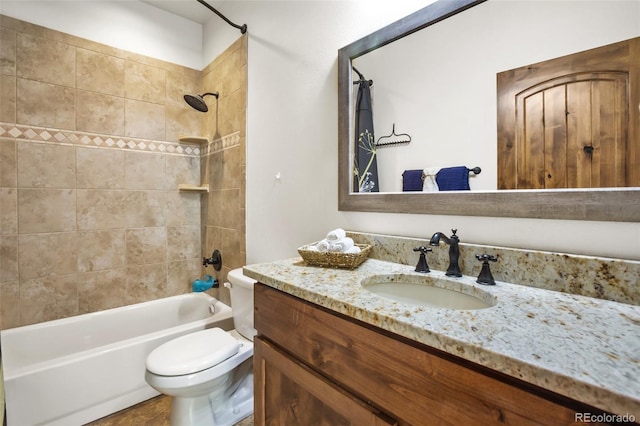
(323, 245)
(353, 250)
(336, 234)
(341, 245)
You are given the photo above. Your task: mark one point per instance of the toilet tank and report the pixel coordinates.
(241, 288)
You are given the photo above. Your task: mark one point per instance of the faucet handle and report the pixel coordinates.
(486, 277)
(422, 265)
(486, 258)
(215, 260)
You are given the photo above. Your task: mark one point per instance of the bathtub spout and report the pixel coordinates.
(205, 284)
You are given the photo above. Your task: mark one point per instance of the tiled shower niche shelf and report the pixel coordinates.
(193, 188)
(201, 140)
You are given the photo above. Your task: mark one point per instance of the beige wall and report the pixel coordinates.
(90, 214)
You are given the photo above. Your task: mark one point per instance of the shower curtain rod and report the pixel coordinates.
(242, 28)
(362, 79)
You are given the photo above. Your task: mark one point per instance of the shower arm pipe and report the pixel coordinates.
(242, 28)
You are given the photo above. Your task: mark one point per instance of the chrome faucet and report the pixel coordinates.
(454, 251)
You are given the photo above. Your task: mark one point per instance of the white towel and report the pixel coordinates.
(341, 246)
(336, 234)
(323, 245)
(430, 184)
(353, 250)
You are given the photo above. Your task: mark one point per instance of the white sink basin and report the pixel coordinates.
(428, 291)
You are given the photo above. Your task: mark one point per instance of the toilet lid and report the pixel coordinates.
(192, 352)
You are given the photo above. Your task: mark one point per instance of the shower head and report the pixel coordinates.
(197, 101)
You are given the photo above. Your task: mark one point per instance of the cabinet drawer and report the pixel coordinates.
(412, 382)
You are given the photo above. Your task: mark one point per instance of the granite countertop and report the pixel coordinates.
(584, 348)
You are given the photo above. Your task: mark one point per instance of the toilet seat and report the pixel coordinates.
(171, 383)
(192, 353)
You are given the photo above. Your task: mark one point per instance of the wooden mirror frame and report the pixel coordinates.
(609, 204)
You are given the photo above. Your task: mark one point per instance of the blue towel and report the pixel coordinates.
(453, 179)
(412, 180)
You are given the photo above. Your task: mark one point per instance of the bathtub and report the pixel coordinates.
(75, 370)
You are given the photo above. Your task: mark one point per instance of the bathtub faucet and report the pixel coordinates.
(215, 260)
(454, 251)
(205, 284)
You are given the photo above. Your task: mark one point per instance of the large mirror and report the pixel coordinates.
(459, 29)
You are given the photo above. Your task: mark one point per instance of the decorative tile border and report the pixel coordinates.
(70, 137)
(224, 142)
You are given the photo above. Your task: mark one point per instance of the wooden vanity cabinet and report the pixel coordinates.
(314, 366)
(293, 394)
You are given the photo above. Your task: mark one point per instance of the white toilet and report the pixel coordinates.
(209, 373)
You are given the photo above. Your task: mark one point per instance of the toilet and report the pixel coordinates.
(209, 373)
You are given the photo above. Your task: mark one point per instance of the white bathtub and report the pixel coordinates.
(75, 370)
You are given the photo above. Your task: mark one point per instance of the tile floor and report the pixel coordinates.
(153, 412)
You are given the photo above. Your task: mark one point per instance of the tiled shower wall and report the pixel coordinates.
(223, 164)
(90, 162)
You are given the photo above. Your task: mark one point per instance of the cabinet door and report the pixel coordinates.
(289, 393)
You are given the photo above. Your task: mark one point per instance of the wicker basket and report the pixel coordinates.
(330, 259)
